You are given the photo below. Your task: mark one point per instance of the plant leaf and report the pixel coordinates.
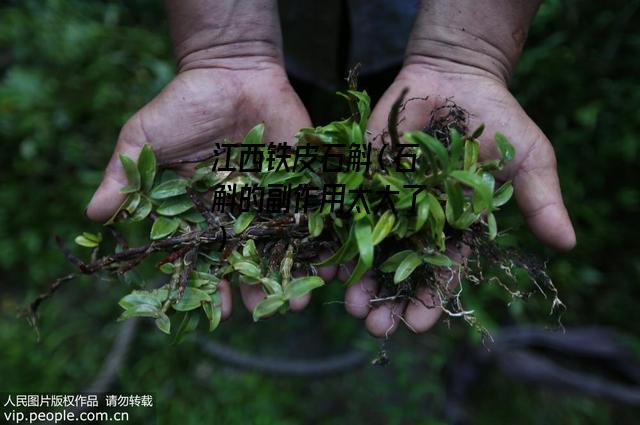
(213, 311)
(456, 148)
(300, 286)
(142, 310)
(315, 222)
(248, 269)
(271, 285)
(86, 242)
(406, 267)
(131, 171)
(169, 188)
(503, 194)
(436, 217)
(162, 227)
(95, 237)
(267, 306)
(249, 249)
(383, 227)
(175, 206)
(147, 167)
(364, 240)
(129, 205)
(132, 202)
(507, 151)
(478, 131)
(164, 324)
(344, 253)
(243, 221)
(142, 211)
(89, 240)
(439, 260)
(364, 107)
(493, 226)
(455, 200)
(167, 268)
(358, 271)
(422, 214)
(193, 217)
(254, 136)
(479, 185)
(466, 219)
(191, 299)
(430, 144)
(187, 325)
(471, 152)
(392, 263)
(138, 297)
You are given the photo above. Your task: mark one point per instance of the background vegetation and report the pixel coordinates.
(72, 71)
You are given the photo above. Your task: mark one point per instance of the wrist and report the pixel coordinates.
(225, 34)
(474, 38)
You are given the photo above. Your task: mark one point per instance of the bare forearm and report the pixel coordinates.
(222, 31)
(483, 37)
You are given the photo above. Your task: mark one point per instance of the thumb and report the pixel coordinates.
(107, 199)
(537, 192)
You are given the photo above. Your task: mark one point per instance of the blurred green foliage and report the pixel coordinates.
(72, 71)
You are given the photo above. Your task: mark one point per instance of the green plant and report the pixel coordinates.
(420, 197)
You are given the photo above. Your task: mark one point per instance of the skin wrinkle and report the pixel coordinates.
(474, 27)
(428, 63)
(201, 24)
(232, 35)
(206, 118)
(492, 51)
(195, 142)
(240, 102)
(540, 209)
(256, 57)
(550, 159)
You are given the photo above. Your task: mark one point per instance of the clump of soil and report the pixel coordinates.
(445, 118)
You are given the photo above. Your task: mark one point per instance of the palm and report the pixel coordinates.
(197, 109)
(200, 107)
(488, 101)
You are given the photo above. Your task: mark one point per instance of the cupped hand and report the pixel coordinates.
(199, 107)
(533, 173)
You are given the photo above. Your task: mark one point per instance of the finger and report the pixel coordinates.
(344, 271)
(224, 288)
(107, 198)
(327, 273)
(251, 295)
(283, 122)
(358, 295)
(383, 320)
(422, 312)
(299, 303)
(537, 191)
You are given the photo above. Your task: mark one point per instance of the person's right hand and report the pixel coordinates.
(465, 52)
(201, 106)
